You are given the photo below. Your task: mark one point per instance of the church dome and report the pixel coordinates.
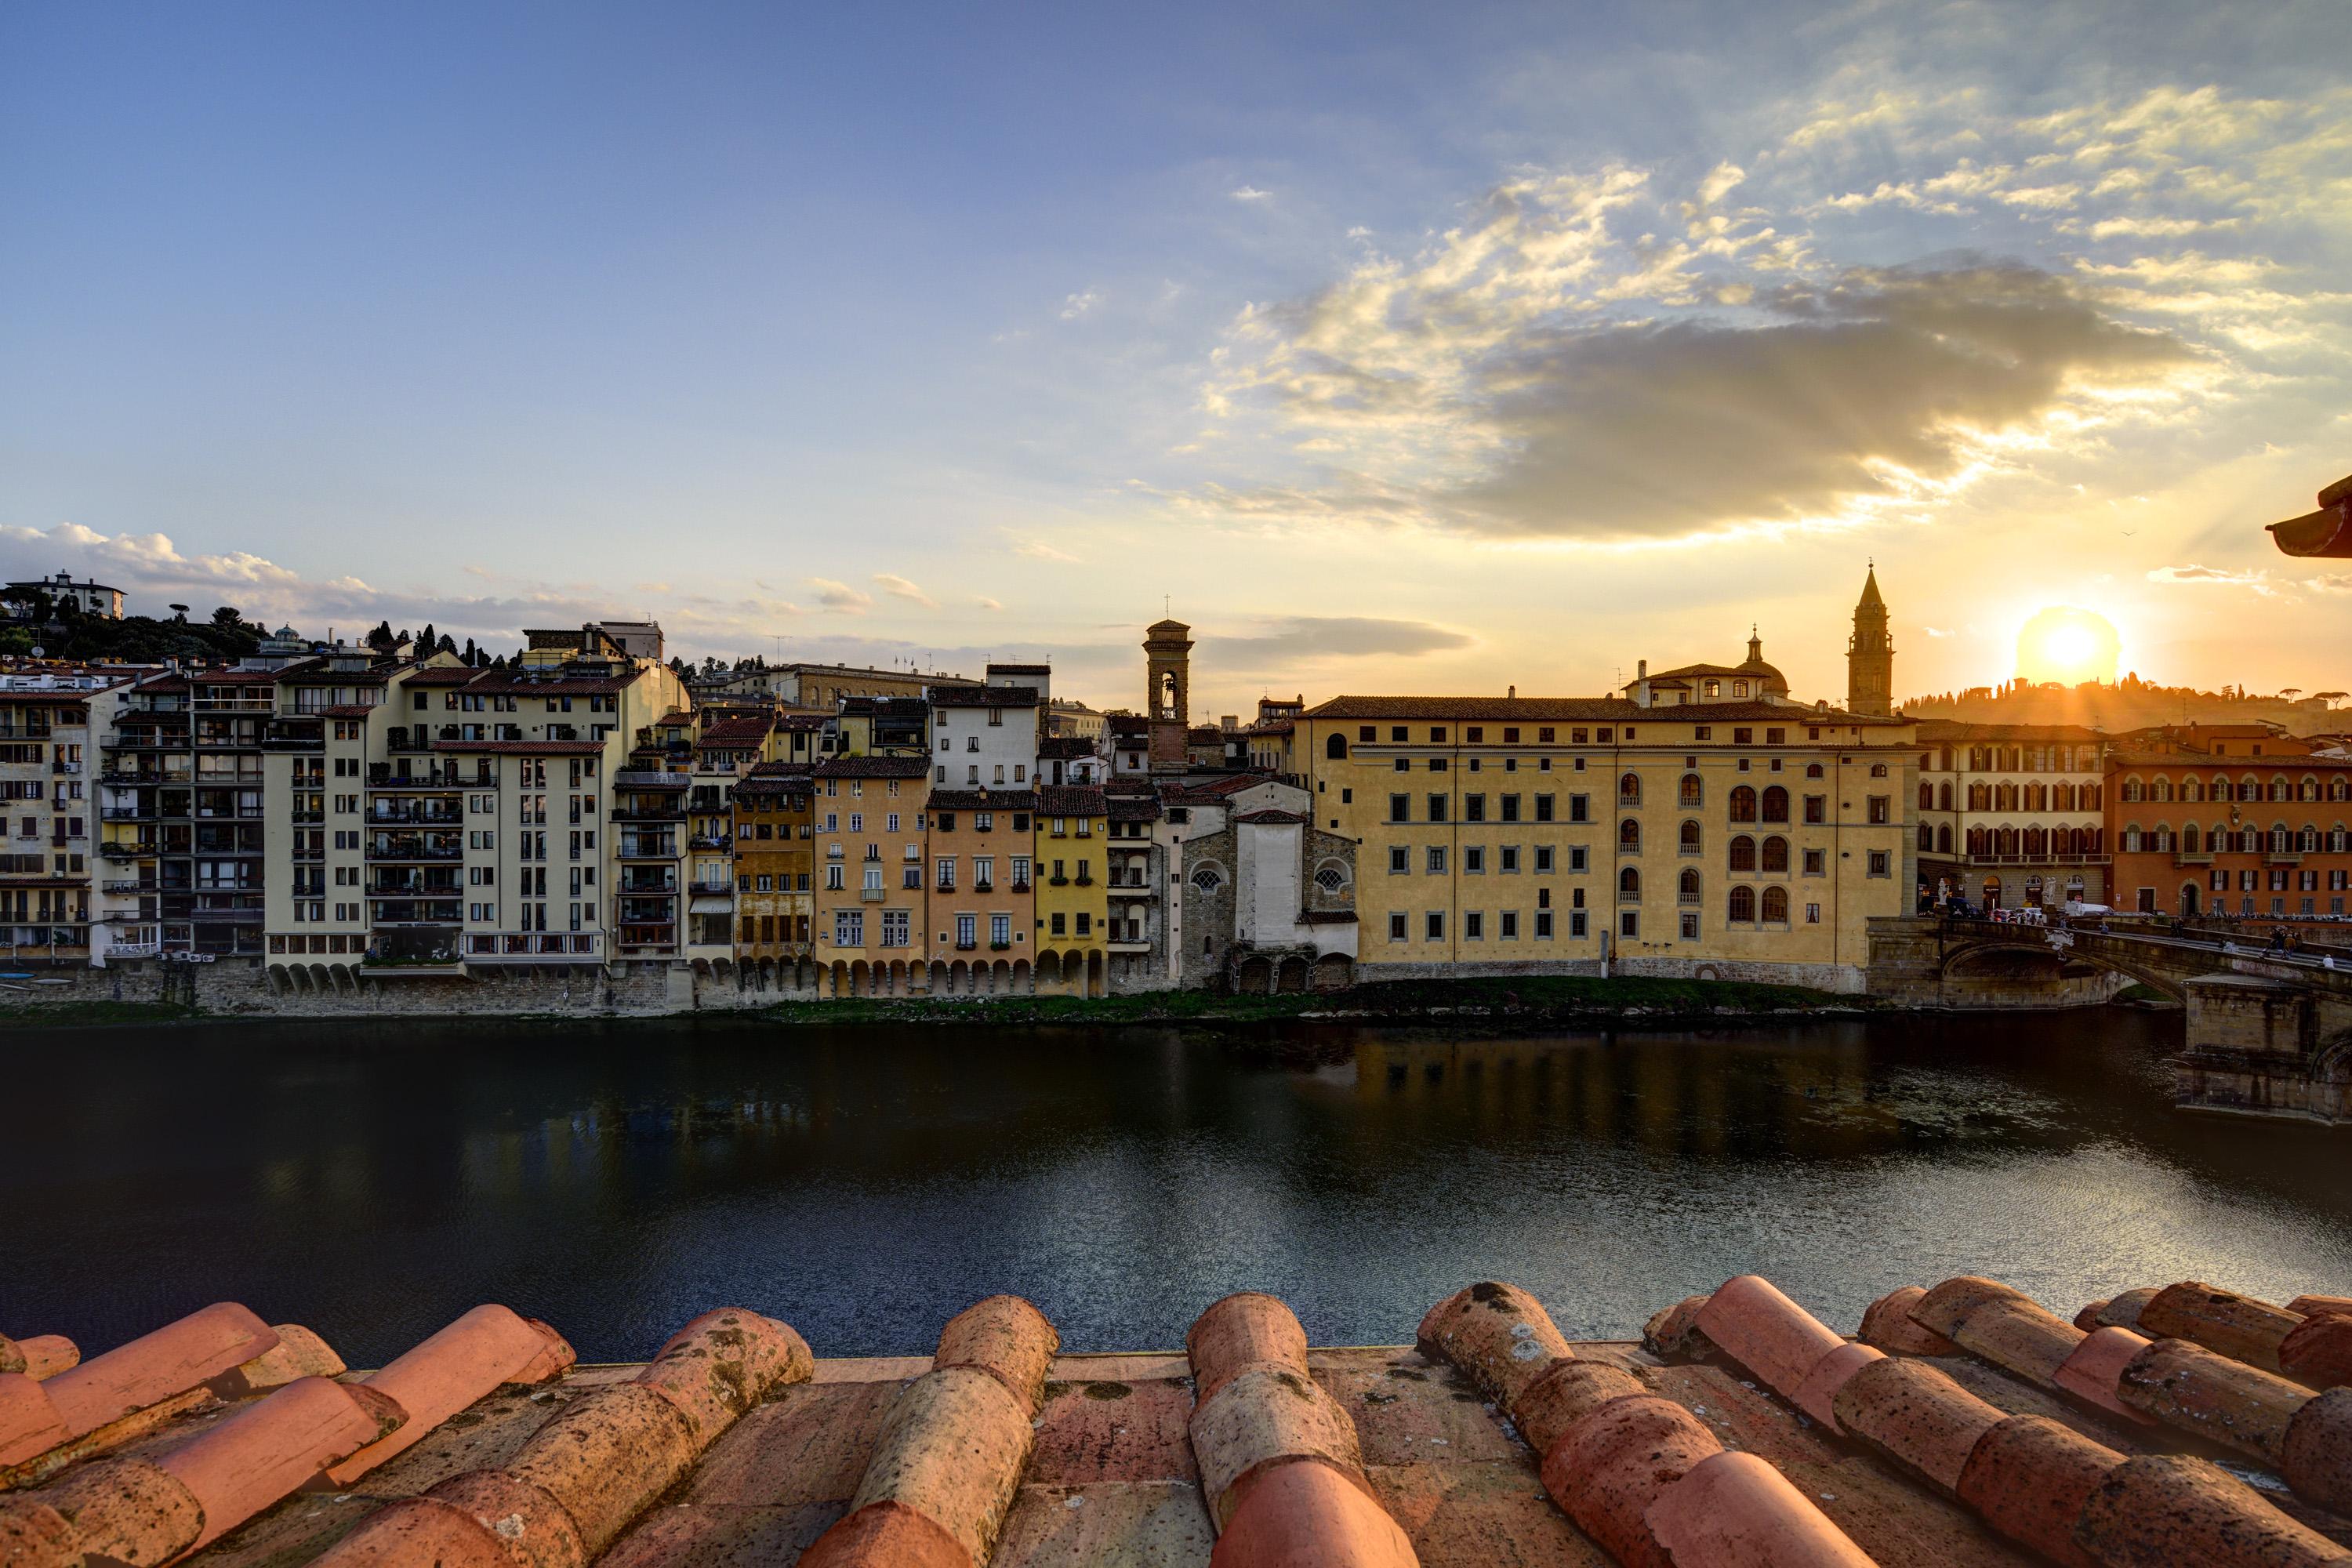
(1754, 664)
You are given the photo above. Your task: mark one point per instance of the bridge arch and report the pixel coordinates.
(1973, 950)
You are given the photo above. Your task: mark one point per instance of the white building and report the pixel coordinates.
(984, 737)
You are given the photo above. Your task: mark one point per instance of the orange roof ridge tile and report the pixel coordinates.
(298, 1353)
(2028, 1477)
(1997, 1324)
(2322, 1306)
(1281, 1468)
(580, 1480)
(953, 1448)
(451, 1368)
(85, 1399)
(39, 1356)
(153, 1510)
(1637, 1472)
(2238, 1327)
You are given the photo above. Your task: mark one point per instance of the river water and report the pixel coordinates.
(864, 1184)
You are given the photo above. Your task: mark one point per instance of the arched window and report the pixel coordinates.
(1977, 839)
(1776, 805)
(1944, 839)
(1743, 852)
(2278, 838)
(2134, 789)
(2131, 838)
(1690, 840)
(1743, 906)
(1629, 789)
(2004, 797)
(1926, 796)
(1878, 770)
(2062, 796)
(1743, 805)
(2090, 797)
(1629, 836)
(1979, 796)
(1928, 761)
(2278, 787)
(1813, 770)
(1776, 906)
(1927, 838)
(1686, 887)
(1739, 688)
(1776, 854)
(2189, 840)
(1629, 883)
(2192, 790)
(1692, 791)
(2004, 840)
(1944, 795)
(2310, 790)
(1206, 878)
(2037, 797)
(2339, 789)
(2160, 790)
(1336, 748)
(1329, 878)
(2308, 839)
(2037, 843)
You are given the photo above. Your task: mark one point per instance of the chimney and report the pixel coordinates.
(1511, 691)
(1641, 669)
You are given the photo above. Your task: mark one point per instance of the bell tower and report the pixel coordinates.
(1870, 653)
(1168, 695)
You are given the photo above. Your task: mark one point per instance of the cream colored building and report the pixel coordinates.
(2012, 814)
(1678, 830)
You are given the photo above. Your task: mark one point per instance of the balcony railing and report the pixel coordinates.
(706, 890)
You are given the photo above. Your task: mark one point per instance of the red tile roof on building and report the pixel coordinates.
(748, 732)
(1019, 670)
(350, 710)
(1064, 748)
(1070, 800)
(441, 675)
(873, 768)
(983, 800)
(1132, 807)
(1965, 1425)
(977, 696)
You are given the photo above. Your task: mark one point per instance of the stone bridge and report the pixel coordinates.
(2269, 1033)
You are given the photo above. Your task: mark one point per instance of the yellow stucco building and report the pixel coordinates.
(1073, 880)
(1676, 829)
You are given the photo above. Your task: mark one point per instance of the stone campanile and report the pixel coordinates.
(1168, 676)
(1870, 654)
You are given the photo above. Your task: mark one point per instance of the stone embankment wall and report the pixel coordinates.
(1908, 965)
(244, 988)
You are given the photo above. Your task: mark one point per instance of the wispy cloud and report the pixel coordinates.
(1038, 550)
(1251, 194)
(1313, 638)
(1077, 305)
(2257, 580)
(897, 588)
(841, 597)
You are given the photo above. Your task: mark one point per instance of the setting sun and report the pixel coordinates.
(2066, 643)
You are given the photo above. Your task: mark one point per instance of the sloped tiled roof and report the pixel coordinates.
(1964, 1425)
(983, 800)
(873, 768)
(1070, 800)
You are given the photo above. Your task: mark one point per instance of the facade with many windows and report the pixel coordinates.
(2012, 816)
(871, 908)
(2253, 827)
(983, 898)
(1678, 830)
(49, 809)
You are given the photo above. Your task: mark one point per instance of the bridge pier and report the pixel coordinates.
(2256, 1046)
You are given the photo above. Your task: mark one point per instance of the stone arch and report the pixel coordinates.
(1254, 976)
(1017, 976)
(1333, 971)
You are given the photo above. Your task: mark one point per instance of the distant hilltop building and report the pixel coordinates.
(90, 596)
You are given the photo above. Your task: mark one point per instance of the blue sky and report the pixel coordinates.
(1401, 348)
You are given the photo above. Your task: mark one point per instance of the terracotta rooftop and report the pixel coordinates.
(745, 731)
(1065, 747)
(983, 800)
(978, 696)
(873, 768)
(1070, 800)
(1964, 1424)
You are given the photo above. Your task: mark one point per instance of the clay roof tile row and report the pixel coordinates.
(1966, 1426)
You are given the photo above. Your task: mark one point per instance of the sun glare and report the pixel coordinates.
(2067, 643)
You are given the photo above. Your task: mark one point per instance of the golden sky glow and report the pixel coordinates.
(2069, 645)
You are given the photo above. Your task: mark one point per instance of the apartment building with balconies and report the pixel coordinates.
(2010, 815)
(1071, 853)
(772, 850)
(49, 810)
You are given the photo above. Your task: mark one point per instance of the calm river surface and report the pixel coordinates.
(865, 1184)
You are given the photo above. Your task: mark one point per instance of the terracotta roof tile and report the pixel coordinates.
(1071, 800)
(873, 768)
(1002, 1448)
(983, 800)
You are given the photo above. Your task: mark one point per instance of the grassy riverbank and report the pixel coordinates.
(1565, 997)
(57, 1014)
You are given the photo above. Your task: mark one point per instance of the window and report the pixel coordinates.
(1510, 808)
(1329, 879)
(1629, 925)
(1690, 926)
(1000, 930)
(1741, 910)
(1474, 859)
(1206, 878)
(1776, 805)
(1576, 856)
(1437, 808)
(1400, 808)
(1543, 808)
(1881, 808)
(1776, 906)
(1580, 808)
(1689, 838)
(1743, 852)
(1473, 927)
(1543, 857)
(1436, 861)
(1473, 808)
(1879, 863)
(848, 928)
(1628, 884)
(1743, 803)
(1510, 857)
(1396, 926)
(896, 928)
(1577, 927)
(1776, 855)
(1433, 925)
(1400, 860)
(1061, 924)
(1629, 837)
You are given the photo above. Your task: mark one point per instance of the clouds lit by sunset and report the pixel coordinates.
(1404, 350)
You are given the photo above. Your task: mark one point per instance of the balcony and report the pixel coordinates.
(2192, 858)
(137, 849)
(636, 849)
(382, 776)
(670, 811)
(723, 887)
(1020, 884)
(711, 841)
(872, 895)
(976, 887)
(419, 912)
(125, 889)
(658, 884)
(128, 814)
(415, 847)
(510, 946)
(228, 917)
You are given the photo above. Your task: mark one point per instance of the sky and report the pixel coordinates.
(1428, 349)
